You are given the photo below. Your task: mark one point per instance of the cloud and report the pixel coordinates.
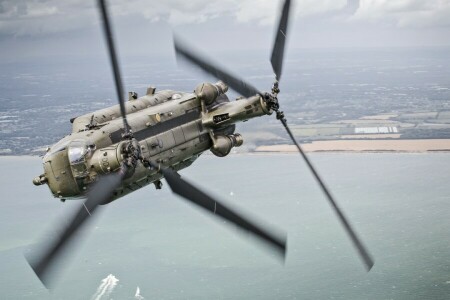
(31, 17)
(262, 12)
(43, 17)
(266, 12)
(177, 12)
(405, 13)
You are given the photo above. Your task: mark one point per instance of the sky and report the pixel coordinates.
(31, 29)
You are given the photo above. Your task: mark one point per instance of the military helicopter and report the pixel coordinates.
(117, 150)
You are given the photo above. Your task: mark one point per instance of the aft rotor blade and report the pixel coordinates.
(113, 57)
(196, 196)
(366, 257)
(45, 261)
(237, 84)
(280, 40)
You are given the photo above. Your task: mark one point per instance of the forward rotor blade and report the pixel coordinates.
(366, 257)
(280, 40)
(45, 261)
(113, 57)
(237, 84)
(196, 196)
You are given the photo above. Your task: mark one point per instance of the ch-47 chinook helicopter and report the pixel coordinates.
(116, 150)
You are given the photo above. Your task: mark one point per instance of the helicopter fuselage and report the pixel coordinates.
(172, 129)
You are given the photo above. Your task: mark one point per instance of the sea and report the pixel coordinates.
(152, 244)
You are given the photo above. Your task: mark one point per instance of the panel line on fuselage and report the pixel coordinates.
(156, 129)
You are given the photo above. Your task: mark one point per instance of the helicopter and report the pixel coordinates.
(117, 150)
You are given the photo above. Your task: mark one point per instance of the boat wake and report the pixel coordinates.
(106, 287)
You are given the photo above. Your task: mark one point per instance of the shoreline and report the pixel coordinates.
(424, 146)
(365, 146)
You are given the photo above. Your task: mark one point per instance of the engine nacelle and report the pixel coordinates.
(223, 144)
(209, 92)
(107, 160)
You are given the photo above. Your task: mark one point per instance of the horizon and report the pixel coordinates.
(34, 30)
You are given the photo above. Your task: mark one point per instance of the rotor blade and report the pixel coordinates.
(366, 257)
(237, 84)
(280, 40)
(196, 196)
(44, 262)
(113, 57)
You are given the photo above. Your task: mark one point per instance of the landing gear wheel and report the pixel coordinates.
(158, 184)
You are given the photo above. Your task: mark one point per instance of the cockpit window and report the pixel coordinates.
(60, 146)
(176, 96)
(77, 151)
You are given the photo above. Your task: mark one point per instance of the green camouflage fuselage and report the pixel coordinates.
(172, 128)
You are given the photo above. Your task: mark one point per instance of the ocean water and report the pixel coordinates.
(154, 245)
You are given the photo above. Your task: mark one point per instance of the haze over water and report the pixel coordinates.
(154, 243)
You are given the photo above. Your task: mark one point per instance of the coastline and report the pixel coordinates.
(425, 146)
(364, 146)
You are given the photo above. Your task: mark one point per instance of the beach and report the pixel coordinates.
(394, 145)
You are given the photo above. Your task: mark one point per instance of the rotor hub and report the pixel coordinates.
(131, 153)
(275, 88)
